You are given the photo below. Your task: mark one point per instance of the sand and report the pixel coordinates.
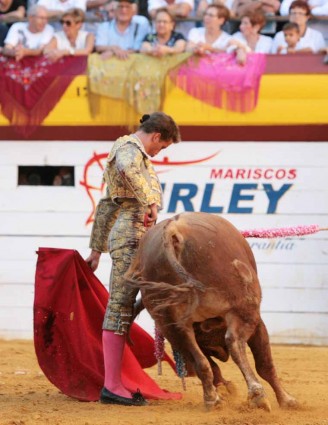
(27, 397)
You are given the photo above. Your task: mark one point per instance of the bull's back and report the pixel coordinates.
(205, 244)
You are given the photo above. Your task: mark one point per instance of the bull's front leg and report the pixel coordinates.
(260, 346)
(238, 333)
(184, 341)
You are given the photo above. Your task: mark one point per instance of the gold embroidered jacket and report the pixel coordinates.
(129, 174)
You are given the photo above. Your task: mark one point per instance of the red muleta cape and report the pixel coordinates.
(69, 306)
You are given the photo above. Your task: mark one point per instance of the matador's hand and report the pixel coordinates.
(150, 216)
(93, 260)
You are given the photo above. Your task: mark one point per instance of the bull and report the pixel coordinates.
(198, 280)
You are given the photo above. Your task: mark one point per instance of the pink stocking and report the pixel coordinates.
(113, 347)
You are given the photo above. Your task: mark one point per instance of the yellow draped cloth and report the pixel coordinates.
(138, 81)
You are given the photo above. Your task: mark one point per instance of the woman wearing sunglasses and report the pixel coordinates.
(72, 40)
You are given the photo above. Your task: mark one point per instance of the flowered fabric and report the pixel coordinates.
(139, 80)
(30, 88)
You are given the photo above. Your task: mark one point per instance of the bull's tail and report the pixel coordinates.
(185, 291)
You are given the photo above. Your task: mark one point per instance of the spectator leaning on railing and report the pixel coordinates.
(165, 40)
(178, 8)
(249, 39)
(312, 40)
(210, 38)
(317, 7)
(72, 40)
(9, 11)
(123, 34)
(292, 37)
(29, 38)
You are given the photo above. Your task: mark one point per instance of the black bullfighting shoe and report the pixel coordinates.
(108, 397)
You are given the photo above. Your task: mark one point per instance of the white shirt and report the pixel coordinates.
(197, 35)
(320, 7)
(63, 42)
(63, 6)
(108, 35)
(263, 45)
(20, 34)
(312, 39)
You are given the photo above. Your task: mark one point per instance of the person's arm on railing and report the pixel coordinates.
(52, 53)
(19, 51)
(161, 50)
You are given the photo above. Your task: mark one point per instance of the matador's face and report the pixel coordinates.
(157, 144)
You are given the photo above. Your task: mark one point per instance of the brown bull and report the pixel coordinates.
(195, 271)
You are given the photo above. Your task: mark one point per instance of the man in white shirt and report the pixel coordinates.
(311, 40)
(123, 34)
(29, 38)
(178, 8)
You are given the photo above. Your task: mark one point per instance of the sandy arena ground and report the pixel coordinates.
(27, 397)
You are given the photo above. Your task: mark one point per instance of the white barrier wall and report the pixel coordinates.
(254, 185)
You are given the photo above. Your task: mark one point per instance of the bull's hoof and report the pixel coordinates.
(258, 399)
(211, 404)
(260, 403)
(289, 403)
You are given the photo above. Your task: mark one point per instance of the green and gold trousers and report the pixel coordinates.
(123, 244)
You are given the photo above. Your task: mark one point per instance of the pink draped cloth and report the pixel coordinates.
(218, 80)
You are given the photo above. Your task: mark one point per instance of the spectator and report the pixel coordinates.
(72, 40)
(10, 10)
(63, 178)
(299, 13)
(249, 38)
(29, 38)
(317, 7)
(292, 37)
(124, 34)
(165, 40)
(178, 8)
(56, 8)
(210, 38)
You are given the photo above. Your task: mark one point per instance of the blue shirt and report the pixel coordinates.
(130, 39)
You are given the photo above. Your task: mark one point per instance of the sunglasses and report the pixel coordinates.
(66, 22)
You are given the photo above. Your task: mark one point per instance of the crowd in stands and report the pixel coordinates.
(58, 28)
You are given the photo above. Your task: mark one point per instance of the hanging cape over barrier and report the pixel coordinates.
(69, 307)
